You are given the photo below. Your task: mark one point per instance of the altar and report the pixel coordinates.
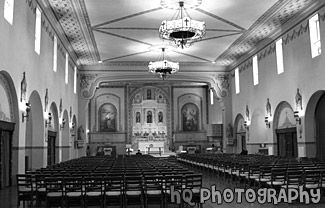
(145, 146)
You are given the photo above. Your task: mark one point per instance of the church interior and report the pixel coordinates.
(195, 92)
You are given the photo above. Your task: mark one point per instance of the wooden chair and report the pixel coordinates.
(54, 192)
(153, 190)
(73, 191)
(172, 182)
(264, 175)
(25, 189)
(278, 177)
(113, 191)
(312, 178)
(40, 189)
(194, 183)
(94, 191)
(133, 193)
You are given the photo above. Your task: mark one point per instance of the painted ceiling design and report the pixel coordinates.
(124, 31)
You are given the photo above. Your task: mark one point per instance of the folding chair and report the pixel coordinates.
(25, 189)
(153, 190)
(174, 182)
(133, 194)
(73, 191)
(40, 189)
(194, 183)
(113, 191)
(94, 191)
(54, 192)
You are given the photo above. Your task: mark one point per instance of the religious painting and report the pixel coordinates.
(190, 117)
(107, 118)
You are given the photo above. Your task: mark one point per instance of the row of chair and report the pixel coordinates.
(261, 171)
(105, 181)
(105, 191)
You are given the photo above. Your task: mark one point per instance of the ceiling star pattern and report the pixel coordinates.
(226, 40)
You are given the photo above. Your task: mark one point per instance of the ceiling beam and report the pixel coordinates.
(127, 17)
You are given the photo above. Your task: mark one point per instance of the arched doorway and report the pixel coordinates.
(320, 130)
(34, 154)
(53, 142)
(312, 123)
(285, 131)
(240, 134)
(9, 130)
(73, 137)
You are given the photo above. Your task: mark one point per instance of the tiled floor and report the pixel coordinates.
(8, 198)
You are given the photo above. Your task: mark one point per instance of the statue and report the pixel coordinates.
(298, 100)
(160, 117)
(80, 130)
(247, 112)
(137, 118)
(149, 117)
(229, 131)
(268, 108)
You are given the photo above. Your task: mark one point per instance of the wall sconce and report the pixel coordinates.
(267, 122)
(28, 106)
(72, 126)
(49, 121)
(23, 88)
(297, 117)
(63, 124)
(246, 125)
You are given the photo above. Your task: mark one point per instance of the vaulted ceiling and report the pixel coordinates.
(120, 32)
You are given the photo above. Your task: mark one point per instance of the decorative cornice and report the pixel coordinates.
(49, 23)
(279, 14)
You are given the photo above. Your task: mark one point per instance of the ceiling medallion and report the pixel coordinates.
(162, 66)
(181, 31)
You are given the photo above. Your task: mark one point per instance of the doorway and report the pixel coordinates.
(6, 132)
(243, 141)
(51, 137)
(320, 130)
(287, 142)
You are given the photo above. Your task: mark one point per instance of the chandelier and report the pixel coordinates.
(163, 67)
(181, 31)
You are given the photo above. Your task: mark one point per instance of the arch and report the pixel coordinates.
(284, 121)
(53, 155)
(310, 122)
(35, 133)
(65, 138)
(240, 132)
(7, 84)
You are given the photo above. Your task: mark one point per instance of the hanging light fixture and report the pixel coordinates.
(181, 31)
(163, 67)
